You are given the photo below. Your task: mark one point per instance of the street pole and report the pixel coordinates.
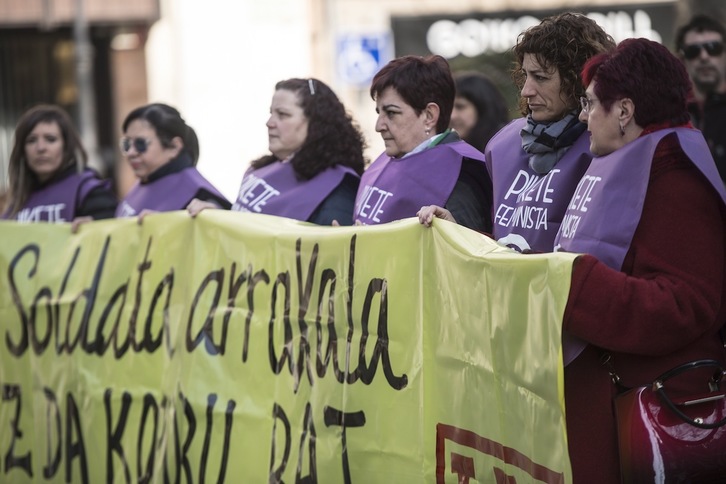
(84, 81)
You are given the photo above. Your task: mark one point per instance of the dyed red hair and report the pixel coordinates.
(647, 73)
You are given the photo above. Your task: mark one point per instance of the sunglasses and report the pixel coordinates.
(692, 51)
(139, 144)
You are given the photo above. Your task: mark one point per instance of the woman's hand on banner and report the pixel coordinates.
(427, 213)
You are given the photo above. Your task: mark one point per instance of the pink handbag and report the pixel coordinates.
(662, 440)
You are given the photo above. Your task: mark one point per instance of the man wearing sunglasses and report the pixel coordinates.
(700, 44)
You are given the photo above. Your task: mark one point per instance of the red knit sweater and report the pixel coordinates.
(663, 308)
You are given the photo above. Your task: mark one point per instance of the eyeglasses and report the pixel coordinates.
(692, 51)
(586, 104)
(139, 144)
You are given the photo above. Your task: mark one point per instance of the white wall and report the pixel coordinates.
(217, 61)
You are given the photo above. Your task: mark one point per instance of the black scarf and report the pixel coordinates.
(546, 143)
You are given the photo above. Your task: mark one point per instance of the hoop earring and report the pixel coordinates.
(622, 130)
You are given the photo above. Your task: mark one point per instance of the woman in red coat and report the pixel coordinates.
(650, 214)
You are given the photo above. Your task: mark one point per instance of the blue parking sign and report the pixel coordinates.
(360, 56)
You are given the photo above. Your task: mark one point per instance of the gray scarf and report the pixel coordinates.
(547, 143)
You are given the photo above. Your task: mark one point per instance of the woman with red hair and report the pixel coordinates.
(650, 215)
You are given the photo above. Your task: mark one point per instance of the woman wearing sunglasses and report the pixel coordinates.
(48, 177)
(162, 151)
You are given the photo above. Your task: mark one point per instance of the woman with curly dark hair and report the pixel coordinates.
(316, 159)
(536, 161)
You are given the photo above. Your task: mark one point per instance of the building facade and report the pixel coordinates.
(218, 61)
(39, 63)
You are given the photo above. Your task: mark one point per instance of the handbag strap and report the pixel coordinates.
(658, 386)
(714, 384)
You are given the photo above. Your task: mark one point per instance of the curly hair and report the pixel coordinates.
(333, 137)
(636, 70)
(22, 180)
(168, 124)
(565, 42)
(419, 81)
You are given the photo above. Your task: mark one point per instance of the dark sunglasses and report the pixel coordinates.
(139, 144)
(692, 51)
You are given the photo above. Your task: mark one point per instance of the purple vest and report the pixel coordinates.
(396, 188)
(276, 190)
(528, 208)
(58, 202)
(613, 189)
(165, 194)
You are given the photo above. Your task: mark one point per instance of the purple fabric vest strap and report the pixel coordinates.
(275, 190)
(58, 202)
(166, 194)
(528, 208)
(613, 189)
(396, 188)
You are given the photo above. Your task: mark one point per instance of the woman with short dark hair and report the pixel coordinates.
(162, 151)
(424, 162)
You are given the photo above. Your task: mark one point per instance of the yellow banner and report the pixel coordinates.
(247, 348)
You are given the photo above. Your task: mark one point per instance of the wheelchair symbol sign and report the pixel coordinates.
(361, 56)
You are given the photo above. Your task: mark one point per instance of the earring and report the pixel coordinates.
(428, 131)
(622, 130)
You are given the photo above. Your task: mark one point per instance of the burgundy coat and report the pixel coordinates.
(663, 308)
